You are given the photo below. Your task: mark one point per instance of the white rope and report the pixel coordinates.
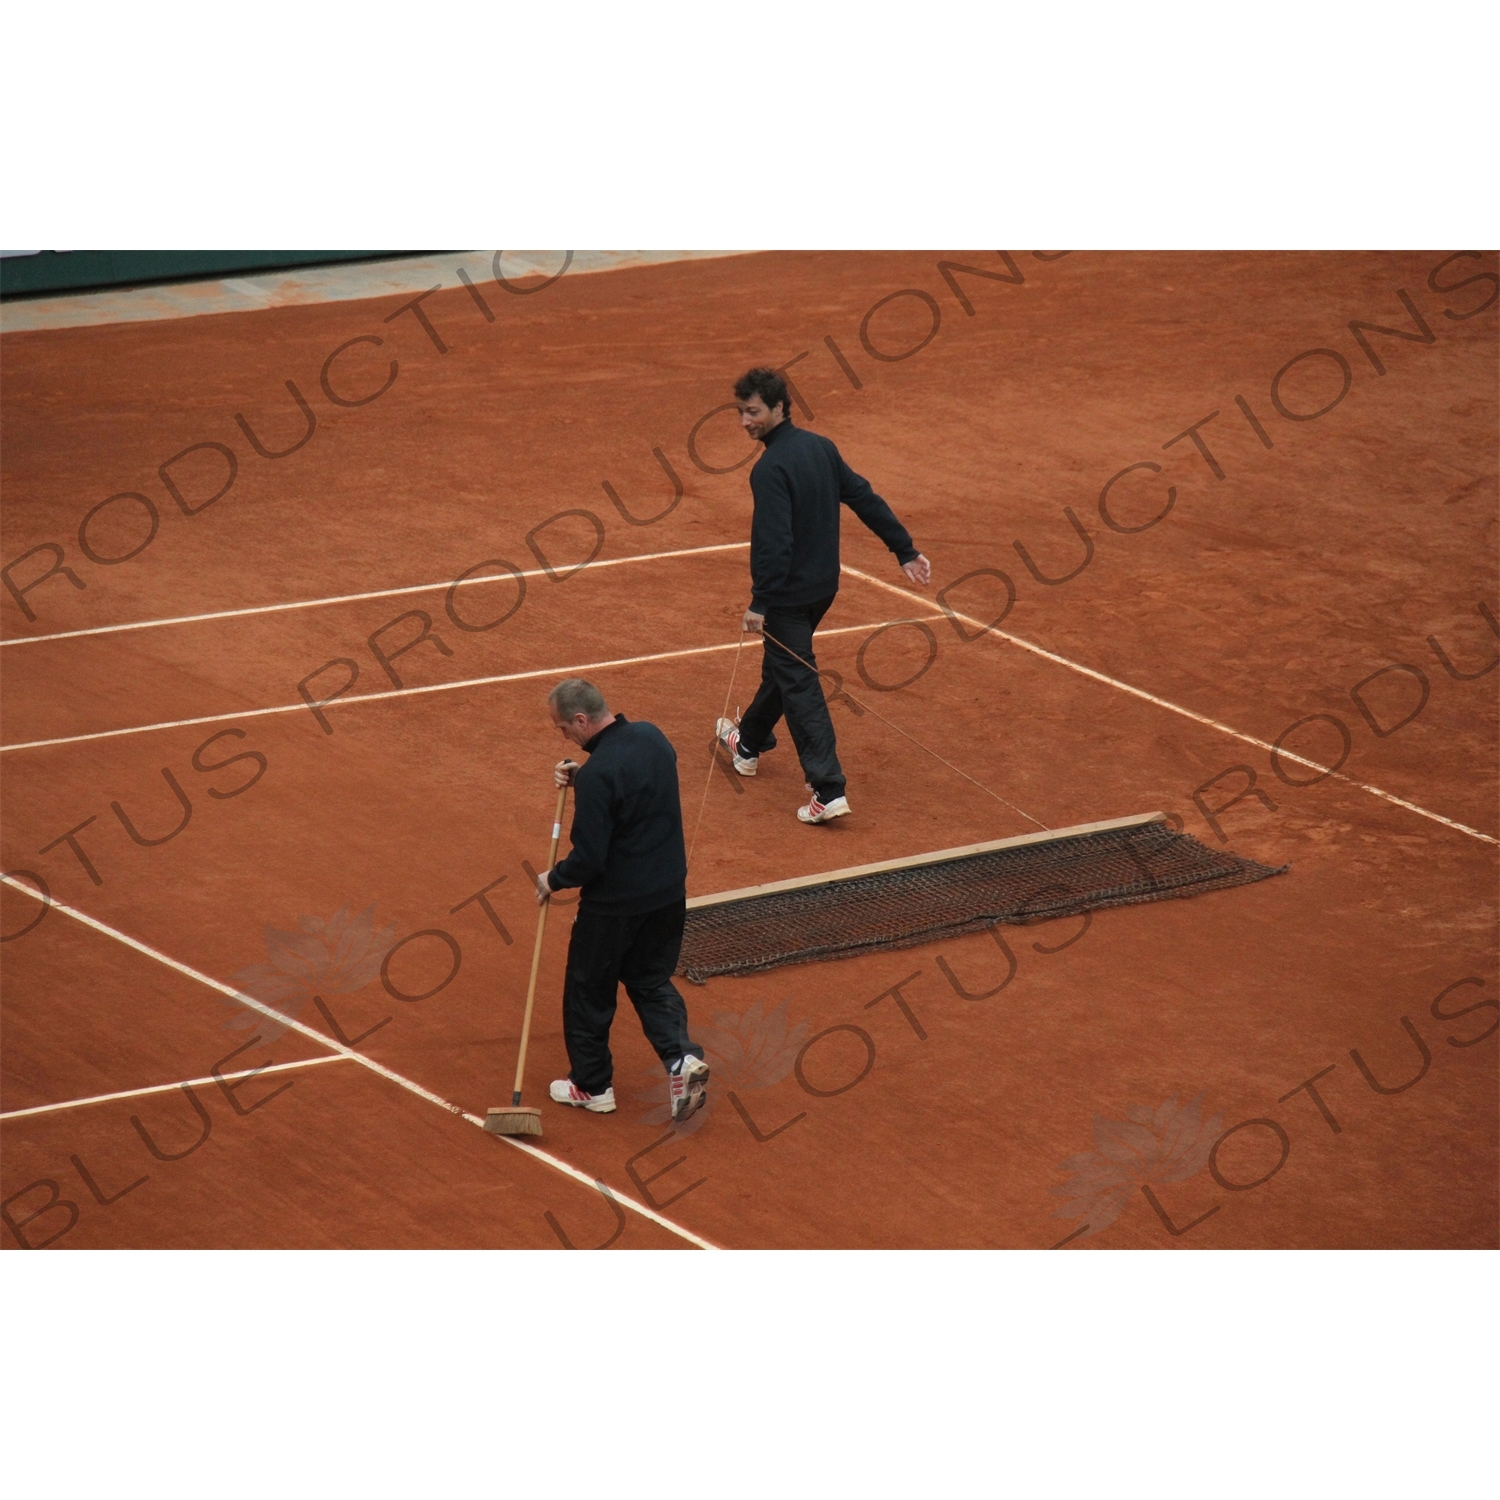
(920, 746)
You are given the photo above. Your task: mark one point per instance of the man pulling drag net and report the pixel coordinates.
(798, 484)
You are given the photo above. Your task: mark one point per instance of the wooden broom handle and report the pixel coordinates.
(536, 952)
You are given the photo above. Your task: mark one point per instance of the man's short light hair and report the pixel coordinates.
(574, 695)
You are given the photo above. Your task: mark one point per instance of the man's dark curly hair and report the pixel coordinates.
(766, 384)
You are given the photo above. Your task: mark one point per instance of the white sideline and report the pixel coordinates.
(415, 588)
(165, 1088)
(1186, 713)
(348, 1052)
(436, 687)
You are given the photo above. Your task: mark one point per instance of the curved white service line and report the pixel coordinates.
(313, 1034)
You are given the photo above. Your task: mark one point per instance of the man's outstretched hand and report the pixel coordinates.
(919, 570)
(753, 622)
(543, 890)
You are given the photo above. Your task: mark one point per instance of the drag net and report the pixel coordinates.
(901, 908)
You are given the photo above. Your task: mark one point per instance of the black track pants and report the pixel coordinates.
(640, 953)
(787, 687)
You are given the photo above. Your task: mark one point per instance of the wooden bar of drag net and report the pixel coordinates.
(902, 903)
(911, 861)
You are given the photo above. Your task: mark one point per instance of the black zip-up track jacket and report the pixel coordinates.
(798, 484)
(628, 853)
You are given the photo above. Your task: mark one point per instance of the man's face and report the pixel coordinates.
(757, 418)
(577, 729)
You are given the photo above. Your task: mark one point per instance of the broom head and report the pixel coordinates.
(513, 1120)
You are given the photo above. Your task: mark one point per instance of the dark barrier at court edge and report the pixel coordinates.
(419, 626)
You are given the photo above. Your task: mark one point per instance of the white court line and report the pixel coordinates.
(348, 1052)
(166, 1088)
(415, 588)
(1186, 713)
(436, 687)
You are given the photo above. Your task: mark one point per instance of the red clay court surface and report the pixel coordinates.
(1309, 1061)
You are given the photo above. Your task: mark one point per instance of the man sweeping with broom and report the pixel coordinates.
(629, 862)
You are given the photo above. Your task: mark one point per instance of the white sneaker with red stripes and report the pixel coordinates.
(729, 737)
(688, 1083)
(823, 812)
(565, 1091)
